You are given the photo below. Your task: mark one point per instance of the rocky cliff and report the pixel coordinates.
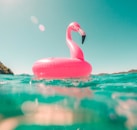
(4, 69)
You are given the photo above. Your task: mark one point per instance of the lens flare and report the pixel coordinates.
(34, 19)
(42, 27)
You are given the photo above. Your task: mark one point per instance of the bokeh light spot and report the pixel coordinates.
(41, 27)
(34, 19)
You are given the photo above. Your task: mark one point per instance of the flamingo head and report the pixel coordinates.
(76, 28)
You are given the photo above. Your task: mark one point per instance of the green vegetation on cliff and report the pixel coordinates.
(4, 69)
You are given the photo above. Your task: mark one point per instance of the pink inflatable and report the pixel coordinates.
(57, 68)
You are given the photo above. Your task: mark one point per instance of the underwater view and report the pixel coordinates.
(99, 102)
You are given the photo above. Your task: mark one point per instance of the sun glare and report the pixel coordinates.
(9, 2)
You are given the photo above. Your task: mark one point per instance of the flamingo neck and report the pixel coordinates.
(75, 50)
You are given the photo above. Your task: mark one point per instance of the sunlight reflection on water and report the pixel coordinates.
(99, 102)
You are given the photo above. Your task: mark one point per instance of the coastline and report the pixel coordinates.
(122, 72)
(5, 70)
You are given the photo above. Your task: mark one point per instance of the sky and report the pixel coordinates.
(34, 29)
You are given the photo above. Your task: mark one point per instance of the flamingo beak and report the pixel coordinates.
(83, 34)
(83, 38)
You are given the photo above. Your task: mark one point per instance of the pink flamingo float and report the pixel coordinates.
(57, 68)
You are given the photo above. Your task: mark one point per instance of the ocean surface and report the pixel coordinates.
(99, 102)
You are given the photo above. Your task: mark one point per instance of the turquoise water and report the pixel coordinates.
(99, 103)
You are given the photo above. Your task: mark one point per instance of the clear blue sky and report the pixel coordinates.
(110, 25)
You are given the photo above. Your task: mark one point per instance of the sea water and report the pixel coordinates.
(99, 102)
